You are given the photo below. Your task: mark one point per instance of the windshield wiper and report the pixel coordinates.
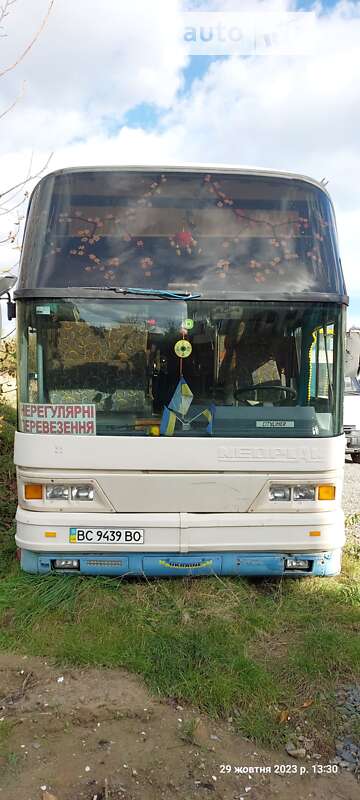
(148, 292)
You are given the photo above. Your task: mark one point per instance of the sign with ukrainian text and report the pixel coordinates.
(61, 419)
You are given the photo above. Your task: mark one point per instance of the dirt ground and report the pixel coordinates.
(99, 734)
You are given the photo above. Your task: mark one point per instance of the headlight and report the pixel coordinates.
(57, 492)
(304, 493)
(82, 493)
(279, 493)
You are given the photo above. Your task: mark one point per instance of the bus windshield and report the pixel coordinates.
(171, 367)
(218, 234)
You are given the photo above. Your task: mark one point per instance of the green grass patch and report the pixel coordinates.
(5, 732)
(7, 487)
(8, 758)
(232, 647)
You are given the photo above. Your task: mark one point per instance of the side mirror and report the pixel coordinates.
(352, 353)
(6, 283)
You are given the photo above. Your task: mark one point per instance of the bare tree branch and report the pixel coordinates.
(14, 198)
(30, 165)
(19, 192)
(4, 12)
(31, 44)
(7, 334)
(17, 99)
(12, 194)
(29, 178)
(14, 191)
(4, 211)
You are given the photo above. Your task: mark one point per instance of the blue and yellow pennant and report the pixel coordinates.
(209, 414)
(182, 398)
(179, 405)
(167, 424)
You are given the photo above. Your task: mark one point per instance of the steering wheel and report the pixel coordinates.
(270, 386)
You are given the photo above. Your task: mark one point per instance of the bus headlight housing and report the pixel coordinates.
(304, 492)
(61, 492)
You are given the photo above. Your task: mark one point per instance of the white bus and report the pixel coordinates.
(181, 339)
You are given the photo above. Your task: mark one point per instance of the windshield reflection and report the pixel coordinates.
(176, 368)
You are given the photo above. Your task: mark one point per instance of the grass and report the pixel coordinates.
(7, 486)
(8, 759)
(248, 649)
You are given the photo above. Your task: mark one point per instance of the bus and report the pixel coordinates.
(180, 374)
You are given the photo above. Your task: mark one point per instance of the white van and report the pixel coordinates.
(352, 418)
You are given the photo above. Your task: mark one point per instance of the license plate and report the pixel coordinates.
(106, 536)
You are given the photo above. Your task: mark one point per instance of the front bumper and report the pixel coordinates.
(170, 564)
(186, 533)
(186, 544)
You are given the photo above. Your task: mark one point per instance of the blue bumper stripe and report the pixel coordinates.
(204, 563)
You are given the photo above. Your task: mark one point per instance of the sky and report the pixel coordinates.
(114, 83)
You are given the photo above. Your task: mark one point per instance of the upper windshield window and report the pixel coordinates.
(216, 233)
(175, 368)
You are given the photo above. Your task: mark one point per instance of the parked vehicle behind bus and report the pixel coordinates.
(181, 343)
(352, 418)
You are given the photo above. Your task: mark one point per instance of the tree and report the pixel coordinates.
(12, 198)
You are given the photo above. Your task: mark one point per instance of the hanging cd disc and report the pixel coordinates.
(183, 348)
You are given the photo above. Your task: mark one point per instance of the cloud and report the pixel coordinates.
(93, 58)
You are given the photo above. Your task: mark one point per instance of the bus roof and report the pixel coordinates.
(233, 169)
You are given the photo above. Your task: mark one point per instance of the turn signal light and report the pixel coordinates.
(326, 492)
(33, 491)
